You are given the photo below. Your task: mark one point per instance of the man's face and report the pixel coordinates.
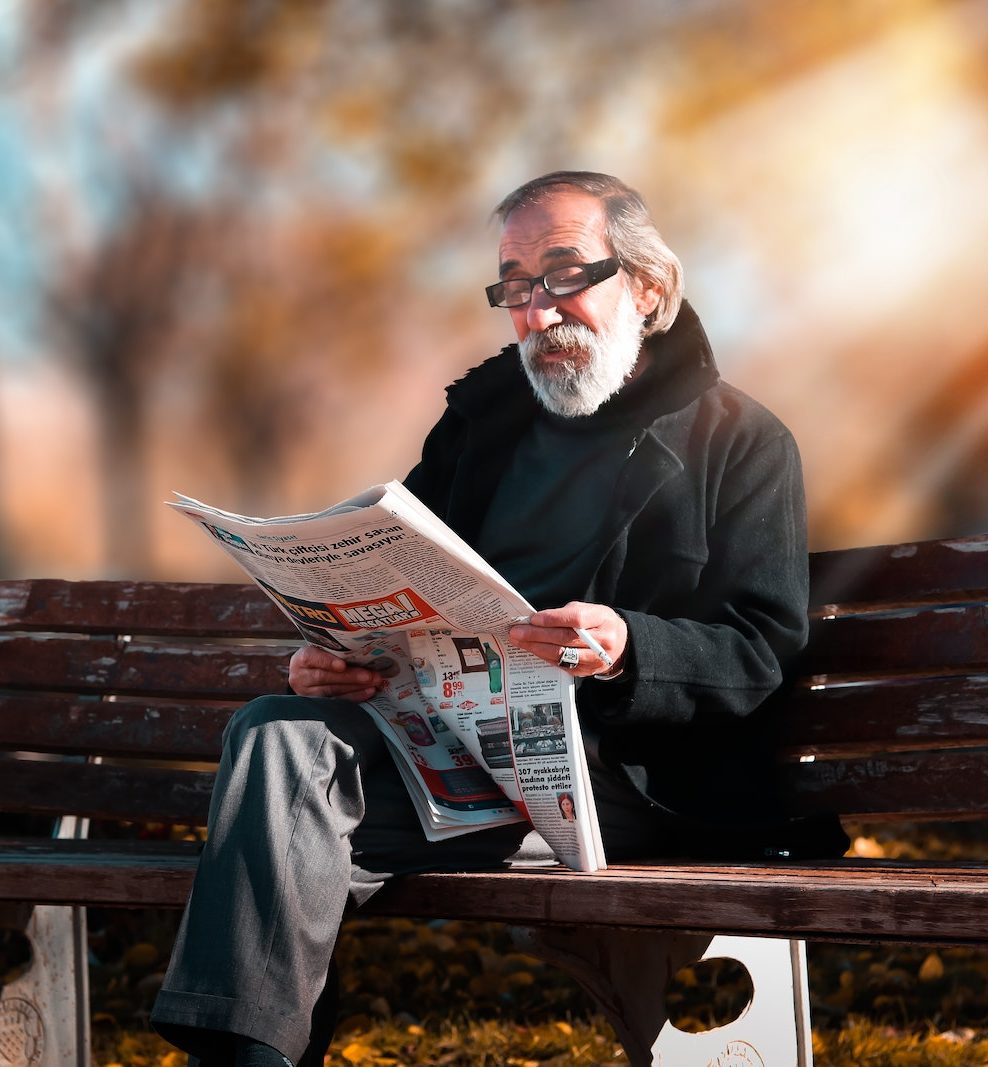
(577, 350)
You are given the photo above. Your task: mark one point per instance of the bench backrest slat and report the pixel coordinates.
(167, 608)
(104, 791)
(949, 570)
(950, 784)
(64, 723)
(886, 716)
(106, 665)
(917, 640)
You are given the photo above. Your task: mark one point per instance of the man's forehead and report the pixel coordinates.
(560, 225)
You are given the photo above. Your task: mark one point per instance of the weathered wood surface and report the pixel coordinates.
(105, 791)
(57, 722)
(114, 874)
(910, 741)
(906, 785)
(901, 785)
(907, 713)
(843, 900)
(952, 783)
(167, 608)
(920, 641)
(105, 665)
(840, 901)
(951, 570)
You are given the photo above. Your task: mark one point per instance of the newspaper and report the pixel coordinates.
(483, 732)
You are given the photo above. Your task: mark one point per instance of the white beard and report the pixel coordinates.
(600, 364)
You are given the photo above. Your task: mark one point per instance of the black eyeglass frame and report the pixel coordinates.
(595, 272)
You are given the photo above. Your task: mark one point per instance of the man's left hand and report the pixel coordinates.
(548, 632)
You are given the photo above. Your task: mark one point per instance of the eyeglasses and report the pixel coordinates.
(563, 281)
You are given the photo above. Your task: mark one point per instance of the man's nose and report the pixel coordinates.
(542, 310)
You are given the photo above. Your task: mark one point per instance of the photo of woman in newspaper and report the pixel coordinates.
(567, 806)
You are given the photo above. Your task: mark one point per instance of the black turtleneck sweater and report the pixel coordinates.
(541, 529)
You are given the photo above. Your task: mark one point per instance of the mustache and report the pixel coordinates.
(568, 335)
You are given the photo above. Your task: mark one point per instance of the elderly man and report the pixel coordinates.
(607, 471)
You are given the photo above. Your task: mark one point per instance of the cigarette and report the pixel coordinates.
(591, 642)
(594, 644)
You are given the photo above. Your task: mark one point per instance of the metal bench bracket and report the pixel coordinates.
(627, 972)
(44, 1012)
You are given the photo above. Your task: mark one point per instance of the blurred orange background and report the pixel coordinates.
(243, 244)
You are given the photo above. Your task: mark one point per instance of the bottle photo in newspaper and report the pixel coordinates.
(483, 733)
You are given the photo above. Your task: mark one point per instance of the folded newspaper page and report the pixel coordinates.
(483, 732)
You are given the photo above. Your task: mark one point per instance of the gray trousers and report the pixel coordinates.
(308, 812)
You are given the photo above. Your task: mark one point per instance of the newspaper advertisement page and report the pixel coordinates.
(483, 732)
(518, 720)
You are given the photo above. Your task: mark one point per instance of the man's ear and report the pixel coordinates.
(646, 297)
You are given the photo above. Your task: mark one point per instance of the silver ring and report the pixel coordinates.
(569, 657)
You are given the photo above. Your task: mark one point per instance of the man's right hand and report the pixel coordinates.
(314, 672)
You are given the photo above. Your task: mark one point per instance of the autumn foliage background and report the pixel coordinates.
(243, 242)
(243, 245)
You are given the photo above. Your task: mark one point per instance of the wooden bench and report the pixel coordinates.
(104, 682)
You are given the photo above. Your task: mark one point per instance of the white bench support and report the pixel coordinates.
(44, 1013)
(627, 972)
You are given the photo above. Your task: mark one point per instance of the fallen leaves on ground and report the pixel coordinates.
(491, 1044)
(445, 994)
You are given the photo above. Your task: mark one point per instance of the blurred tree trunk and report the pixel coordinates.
(113, 306)
(123, 458)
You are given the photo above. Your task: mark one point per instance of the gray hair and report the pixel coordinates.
(628, 230)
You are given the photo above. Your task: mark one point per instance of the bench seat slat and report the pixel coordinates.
(101, 879)
(167, 608)
(947, 570)
(64, 723)
(105, 791)
(921, 641)
(887, 716)
(920, 902)
(105, 665)
(842, 903)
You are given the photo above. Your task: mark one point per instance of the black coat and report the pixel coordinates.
(703, 554)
